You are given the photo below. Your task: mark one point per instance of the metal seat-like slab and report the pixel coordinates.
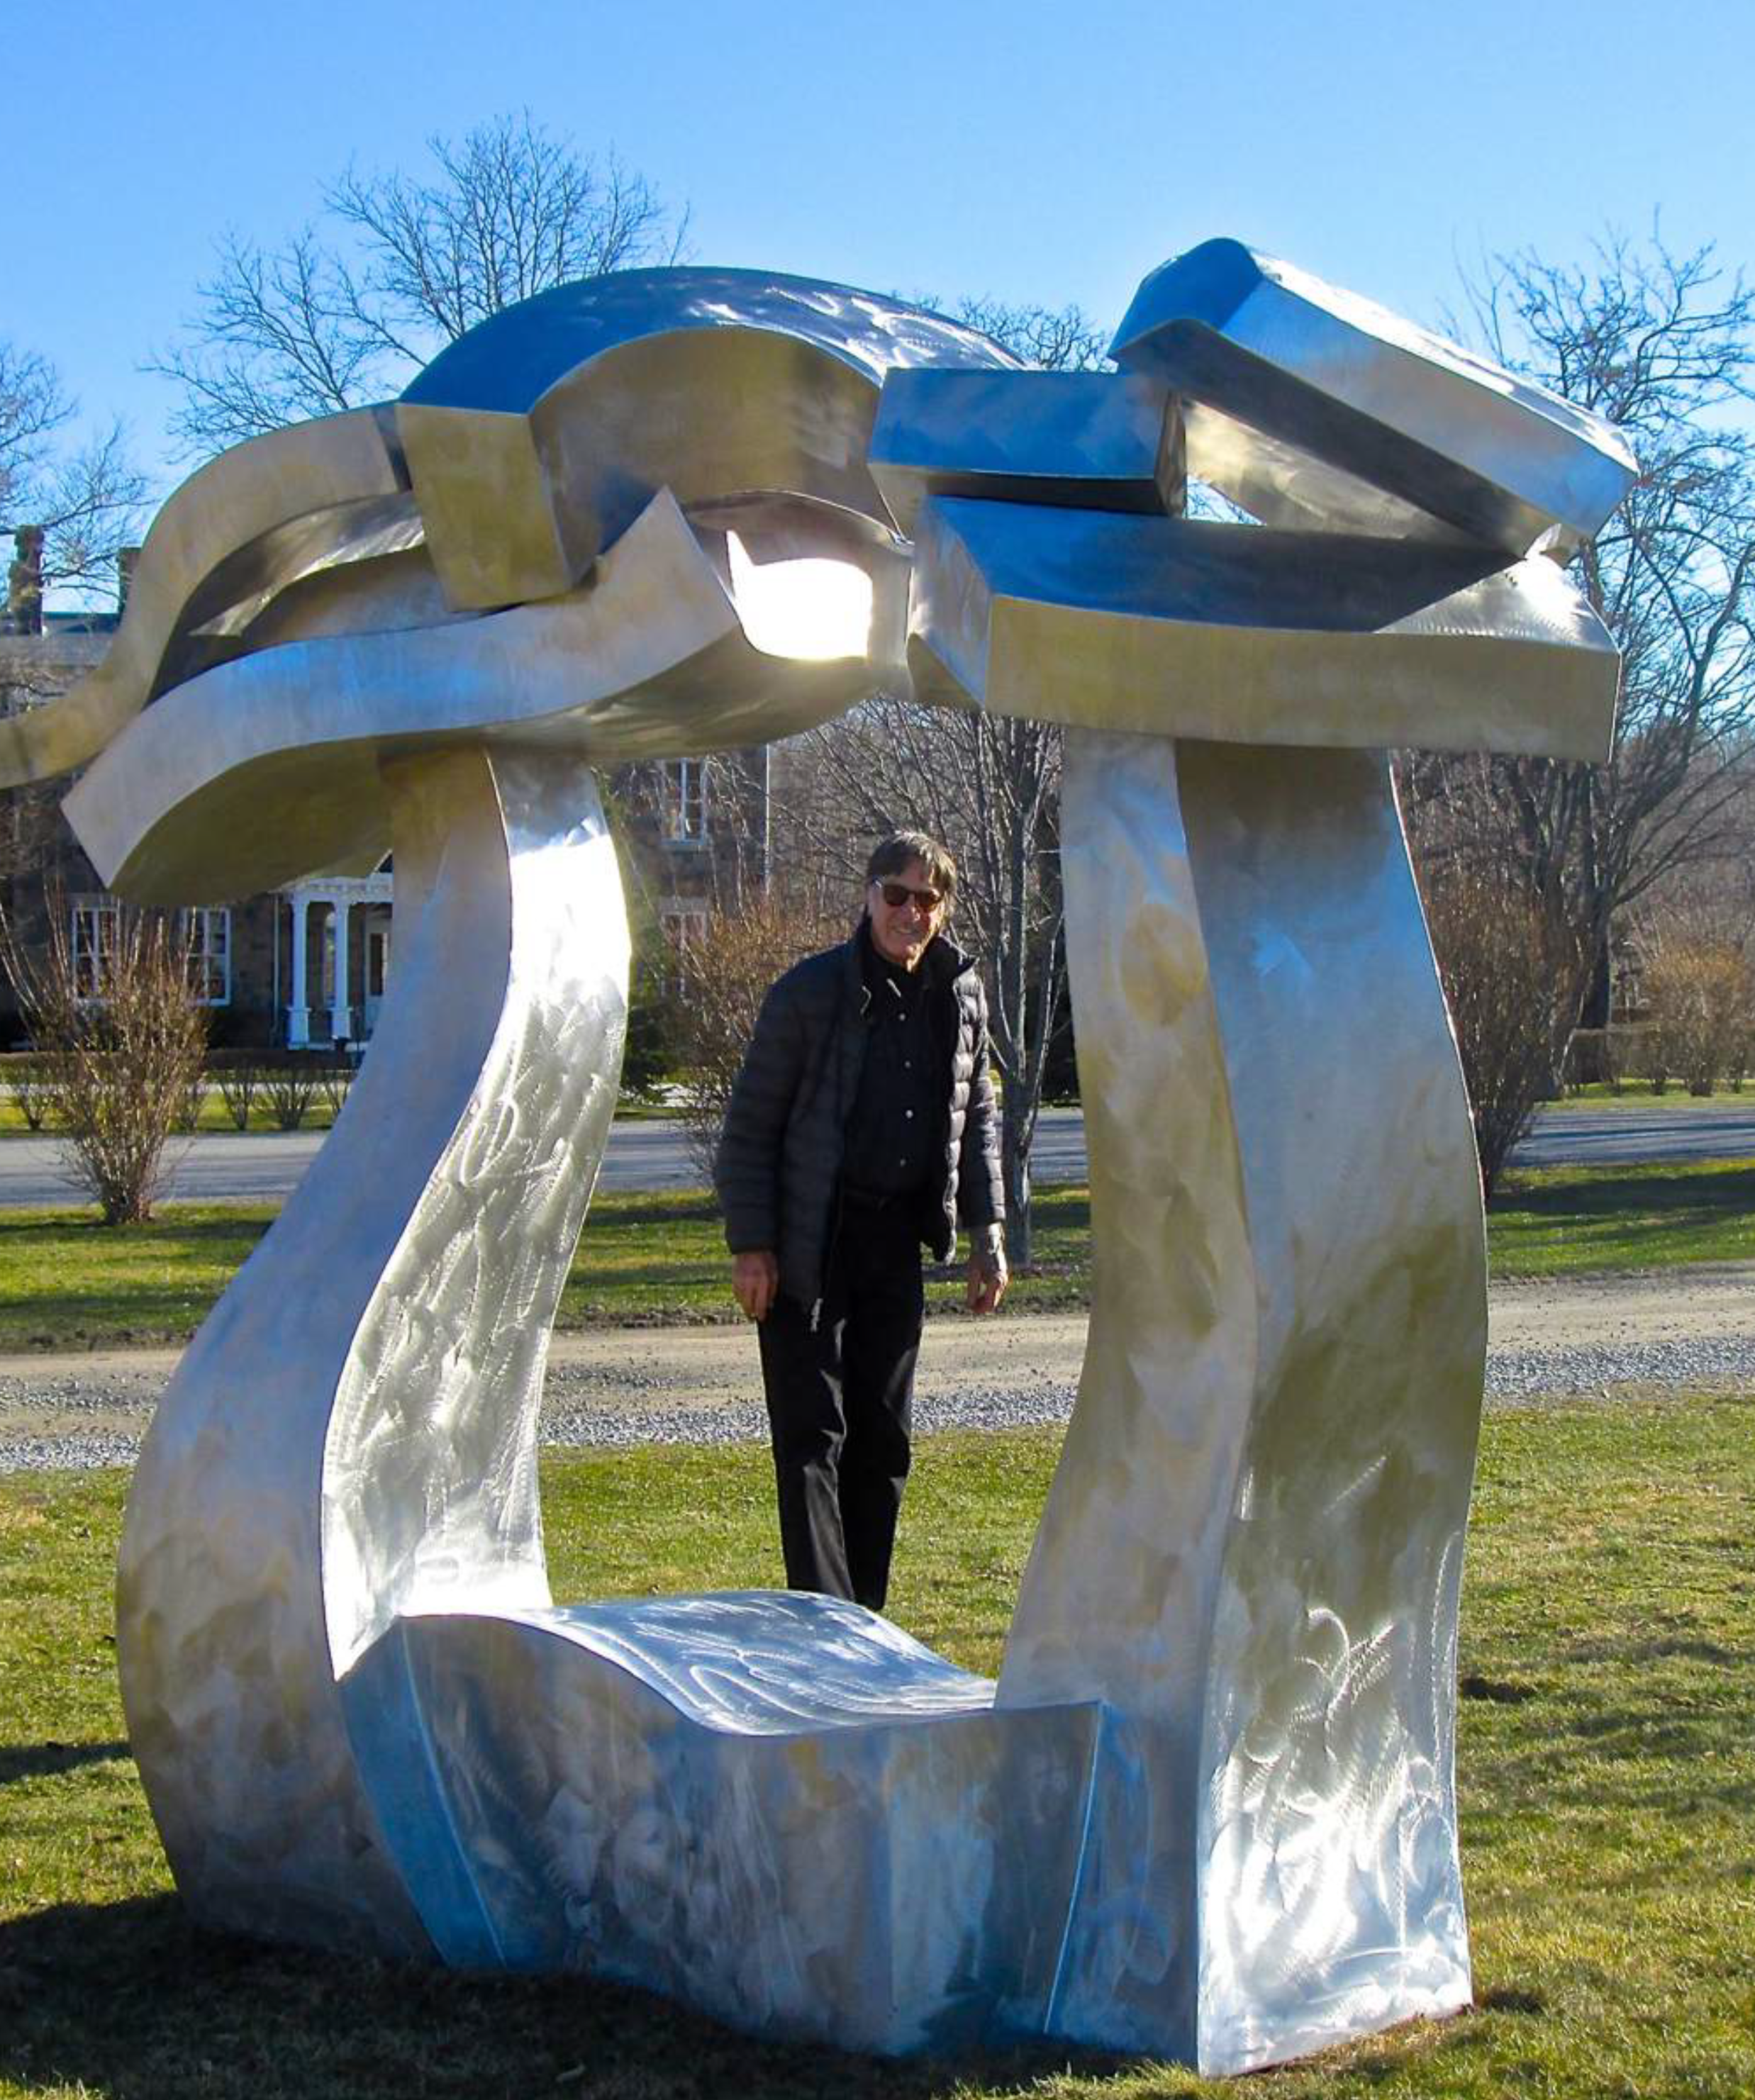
(778, 1806)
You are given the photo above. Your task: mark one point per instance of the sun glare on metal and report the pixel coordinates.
(813, 609)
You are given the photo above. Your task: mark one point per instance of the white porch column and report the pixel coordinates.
(298, 1013)
(341, 1013)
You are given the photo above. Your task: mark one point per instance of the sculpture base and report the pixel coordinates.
(777, 1808)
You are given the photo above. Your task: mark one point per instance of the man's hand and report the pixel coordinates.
(988, 1278)
(755, 1282)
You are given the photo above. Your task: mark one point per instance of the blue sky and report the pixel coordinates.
(1032, 152)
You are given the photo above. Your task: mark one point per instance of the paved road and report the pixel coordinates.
(236, 1169)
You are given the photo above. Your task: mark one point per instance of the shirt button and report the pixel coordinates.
(910, 1114)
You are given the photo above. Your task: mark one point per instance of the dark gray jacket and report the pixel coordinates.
(778, 1171)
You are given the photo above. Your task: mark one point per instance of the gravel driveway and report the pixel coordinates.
(1685, 1328)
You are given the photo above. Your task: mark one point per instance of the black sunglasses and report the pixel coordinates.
(896, 894)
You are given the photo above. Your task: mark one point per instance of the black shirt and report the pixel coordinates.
(893, 1132)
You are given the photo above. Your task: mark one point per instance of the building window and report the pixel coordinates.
(683, 801)
(684, 928)
(207, 948)
(96, 940)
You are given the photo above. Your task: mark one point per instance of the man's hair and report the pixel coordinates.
(892, 856)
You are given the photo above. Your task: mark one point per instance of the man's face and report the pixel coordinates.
(900, 932)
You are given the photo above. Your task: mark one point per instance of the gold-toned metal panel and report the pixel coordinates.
(485, 498)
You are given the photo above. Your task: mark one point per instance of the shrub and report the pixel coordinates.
(721, 979)
(121, 1055)
(289, 1087)
(31, 1084)
(335, 1077)
(1513, 975)
(1702, 996)
(238, 1075)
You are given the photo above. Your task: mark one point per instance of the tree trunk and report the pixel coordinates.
(1015, 1157)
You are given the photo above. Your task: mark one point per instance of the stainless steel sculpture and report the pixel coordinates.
(1207, 1810)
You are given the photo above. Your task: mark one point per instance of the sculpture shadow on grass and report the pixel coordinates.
(134, 2001)
(35, 1760)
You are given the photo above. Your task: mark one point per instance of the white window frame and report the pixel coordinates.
(197, 927)
(93, 939)
(683, 926)
(684, 802)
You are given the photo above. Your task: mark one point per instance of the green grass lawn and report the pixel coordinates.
(1568, 1220)
(67, 1283)
(214, 1119)
(1638, 1094)
(1605, 1761)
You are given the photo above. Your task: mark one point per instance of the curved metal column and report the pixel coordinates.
(1251, 1548)
(351, 1436)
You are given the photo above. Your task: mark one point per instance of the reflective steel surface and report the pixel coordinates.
(269, 511)
(1086, 439)
(1355, 404)
(1253, 1541)
(1208, 1810)
(650, 660)
(778, 1807)
(1188, 628)
(576, 407)
(352, 1433)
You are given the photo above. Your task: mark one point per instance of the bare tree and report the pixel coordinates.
(990, 789)
(720, 980)
(1052, 338)
(1512, 975)
(85, 503)
(335, 318)
(1663, 347)
(121, 1043)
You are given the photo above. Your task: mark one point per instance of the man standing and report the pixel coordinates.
(861, 1126)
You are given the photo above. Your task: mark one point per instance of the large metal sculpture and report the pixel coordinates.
(1208, 1809)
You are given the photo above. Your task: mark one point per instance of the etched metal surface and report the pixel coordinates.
(1208, 1809)
(778, 1807)
(352, 1433)
(1253, 1540)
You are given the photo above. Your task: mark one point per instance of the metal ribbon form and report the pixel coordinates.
(1208, 1809)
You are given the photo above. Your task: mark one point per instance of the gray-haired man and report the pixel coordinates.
(862, 1126)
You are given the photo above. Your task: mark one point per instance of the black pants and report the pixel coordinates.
(840, 1397)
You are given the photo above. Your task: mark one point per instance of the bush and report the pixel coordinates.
(335, 1077)
(1702, 996)
(31, 1084)
(1513, 975)
(722, 978)
(289, 1087)
(237, 1073)
(649, 1055)
(121, 1055)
